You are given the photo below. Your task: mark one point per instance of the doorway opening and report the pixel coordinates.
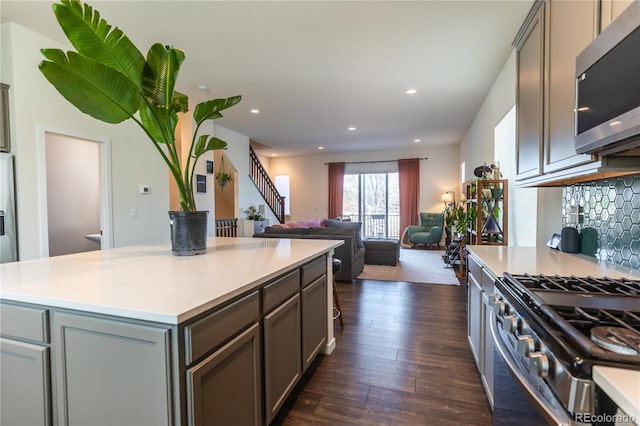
(75, 194)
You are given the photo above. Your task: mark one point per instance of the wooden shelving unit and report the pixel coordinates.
(489, 198)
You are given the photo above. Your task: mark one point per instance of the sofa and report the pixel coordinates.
(430, 229)
(350, 254)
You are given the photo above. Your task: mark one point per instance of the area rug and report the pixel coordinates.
(415, 266)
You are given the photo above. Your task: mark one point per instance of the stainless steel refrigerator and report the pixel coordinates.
(8, 234)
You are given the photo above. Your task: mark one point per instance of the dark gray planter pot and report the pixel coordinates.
(188, 232)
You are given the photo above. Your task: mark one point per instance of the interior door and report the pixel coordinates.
(76, 191)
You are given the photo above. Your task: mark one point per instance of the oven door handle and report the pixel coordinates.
(551, 414)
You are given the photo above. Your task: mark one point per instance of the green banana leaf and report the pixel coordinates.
(93, 88)
(109, 79)
(92, 37)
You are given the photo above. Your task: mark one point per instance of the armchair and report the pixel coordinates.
(429, 231)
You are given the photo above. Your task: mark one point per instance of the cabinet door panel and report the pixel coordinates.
(529, 99)
(475, 321)
(111, 372)
(24, 384)
(314, 320)
(225, 388)
(571, 26)
(610, 9)
(282, 353)
(487, 376)
(5, 137)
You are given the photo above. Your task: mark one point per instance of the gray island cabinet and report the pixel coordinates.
(82, 359)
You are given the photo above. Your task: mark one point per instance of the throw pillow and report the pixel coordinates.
(357, 226)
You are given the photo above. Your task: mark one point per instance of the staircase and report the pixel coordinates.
(265, 186)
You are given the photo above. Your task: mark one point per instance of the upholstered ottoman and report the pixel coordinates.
(381, 251)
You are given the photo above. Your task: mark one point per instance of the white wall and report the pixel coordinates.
(309, 177)
(34, 102)
(238, 152)
(538, 212)
(476, 147)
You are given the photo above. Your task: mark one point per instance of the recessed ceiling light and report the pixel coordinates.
(615, 123)
(203, 88)
(274, 154)
(255, 111)
(351, 129)
(410, 91)
(321, 147)
(416, 140)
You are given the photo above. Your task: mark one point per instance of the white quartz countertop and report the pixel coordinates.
(149, 283)
(622, 386)
(544, 260)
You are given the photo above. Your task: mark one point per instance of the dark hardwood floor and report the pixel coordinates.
(402, 359)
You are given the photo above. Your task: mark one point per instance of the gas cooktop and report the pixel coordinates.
(573, 291)
(601, 316)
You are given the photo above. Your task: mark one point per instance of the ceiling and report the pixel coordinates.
(315, 68)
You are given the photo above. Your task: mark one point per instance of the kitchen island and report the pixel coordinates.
(486, 263)
(135, 335)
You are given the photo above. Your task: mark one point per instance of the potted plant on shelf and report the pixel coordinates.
(108, 78)
(260, 222)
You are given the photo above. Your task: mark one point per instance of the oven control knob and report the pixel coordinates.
(497, 305)
(538, 364)
(509, 323)
(526, 345)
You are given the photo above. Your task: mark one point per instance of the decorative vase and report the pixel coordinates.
(491, 226)
(188, 232)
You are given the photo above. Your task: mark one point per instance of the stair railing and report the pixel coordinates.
(265, 186)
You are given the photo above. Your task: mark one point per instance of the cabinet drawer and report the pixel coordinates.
(279, 290)
(488, 281)
(312, 270)
(207, 333)
(474, 268)
(24, 322)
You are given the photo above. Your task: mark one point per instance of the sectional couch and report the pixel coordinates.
(351, 253)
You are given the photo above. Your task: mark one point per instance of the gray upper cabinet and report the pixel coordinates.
(550, 39)
(570, 27)
(610, 9)
(530, 60)
(5, 135)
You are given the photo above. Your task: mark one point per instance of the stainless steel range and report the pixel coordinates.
(552, 330)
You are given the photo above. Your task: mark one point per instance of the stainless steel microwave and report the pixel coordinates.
(607, 109)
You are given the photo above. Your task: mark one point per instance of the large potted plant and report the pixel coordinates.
(108, 78)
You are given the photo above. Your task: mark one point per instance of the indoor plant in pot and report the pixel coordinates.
(260, 222)
(108, 78)
(222, 177)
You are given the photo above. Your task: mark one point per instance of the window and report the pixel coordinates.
(373, 199)
(282, 185)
